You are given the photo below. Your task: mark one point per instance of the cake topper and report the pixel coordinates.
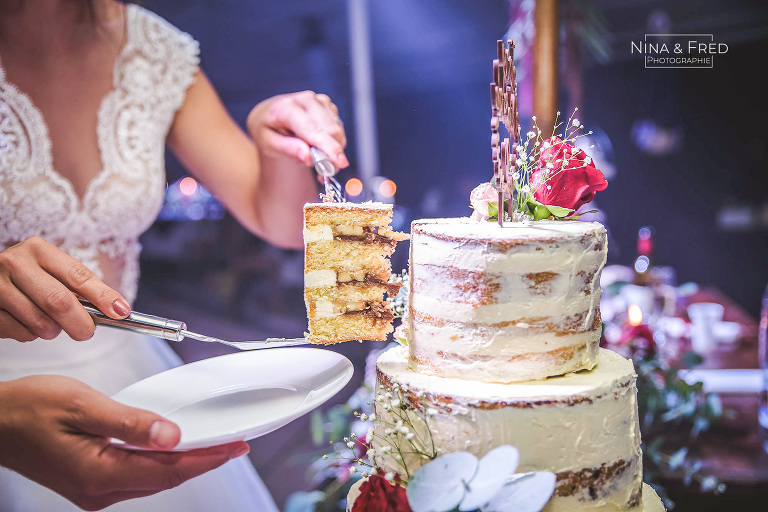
(540, 177)
(504, 108)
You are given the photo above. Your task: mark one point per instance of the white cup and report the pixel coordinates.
(704, 316)
(642, 296)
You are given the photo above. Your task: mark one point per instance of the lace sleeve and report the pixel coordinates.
(177, 52)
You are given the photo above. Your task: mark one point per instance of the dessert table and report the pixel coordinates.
(732, 450)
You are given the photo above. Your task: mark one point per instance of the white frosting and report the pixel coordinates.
(572, 423)
(346, 205)
(473, 280)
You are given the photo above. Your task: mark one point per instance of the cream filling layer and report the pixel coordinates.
(319, 278)
(499, 370)
(556, 308)
(569, 423)
(320, 233)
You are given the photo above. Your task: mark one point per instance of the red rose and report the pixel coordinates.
(378, 495)
(566, 176)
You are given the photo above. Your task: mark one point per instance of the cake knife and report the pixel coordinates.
(326, 170)
(174, 330)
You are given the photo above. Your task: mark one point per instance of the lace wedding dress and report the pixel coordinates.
(155, 67)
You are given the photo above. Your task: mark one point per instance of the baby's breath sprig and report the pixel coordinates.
(403, 431)
(399, 302)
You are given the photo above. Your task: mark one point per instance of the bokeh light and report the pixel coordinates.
(188, 186)
(354, 187)
(387, 188)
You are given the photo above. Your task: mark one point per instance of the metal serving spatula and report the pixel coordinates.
(325, 168)
(174, 330)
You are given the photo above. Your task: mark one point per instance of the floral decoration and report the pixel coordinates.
(377, 494)
(551, 178)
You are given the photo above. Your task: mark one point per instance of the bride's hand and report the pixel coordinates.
(38, 287)
(56, 431)
(288, 124)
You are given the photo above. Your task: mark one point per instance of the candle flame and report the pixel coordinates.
(635, 315)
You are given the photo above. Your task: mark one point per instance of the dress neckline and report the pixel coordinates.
(39, 119)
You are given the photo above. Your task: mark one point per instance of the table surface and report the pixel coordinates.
(733, 449)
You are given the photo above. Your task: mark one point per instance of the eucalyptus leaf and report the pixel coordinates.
(527, 492)
(492, 471)
(439, 485)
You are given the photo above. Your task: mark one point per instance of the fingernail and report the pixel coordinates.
(303, 156)
(343, 159)
(240, 452)
(162, 434)
(121, 307)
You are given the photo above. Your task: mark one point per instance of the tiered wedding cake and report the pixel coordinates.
(503, 330)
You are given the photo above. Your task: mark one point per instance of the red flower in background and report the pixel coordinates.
(378, 495)
(566, 176)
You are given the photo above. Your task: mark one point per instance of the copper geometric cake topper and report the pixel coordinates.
(504, 109)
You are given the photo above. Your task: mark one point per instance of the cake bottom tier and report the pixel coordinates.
(649, 500)
(582, 426)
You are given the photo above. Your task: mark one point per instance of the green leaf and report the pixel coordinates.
(493, 209)
(559, 211)
(541, 212)
(317, 427)
(691, 359)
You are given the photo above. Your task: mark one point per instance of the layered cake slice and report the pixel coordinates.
(346, 271)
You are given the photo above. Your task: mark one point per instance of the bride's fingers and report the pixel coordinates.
(13, 329)
(78, 278)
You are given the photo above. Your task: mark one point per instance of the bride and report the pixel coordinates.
(91, 92)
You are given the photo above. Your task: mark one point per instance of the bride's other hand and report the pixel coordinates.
(39, 285)
(56, 431)
(288, 124)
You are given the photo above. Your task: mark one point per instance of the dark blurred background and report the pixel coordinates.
(684, 149)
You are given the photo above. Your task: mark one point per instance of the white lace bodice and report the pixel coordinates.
(151, 75)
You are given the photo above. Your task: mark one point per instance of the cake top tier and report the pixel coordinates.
(466, 229)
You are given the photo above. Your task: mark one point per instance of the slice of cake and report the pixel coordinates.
(346, 271)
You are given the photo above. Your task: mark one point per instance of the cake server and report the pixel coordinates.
(174, 330)
(326, 170)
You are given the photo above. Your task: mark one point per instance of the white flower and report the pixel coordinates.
(363, 417)
(550, 165)
(369, 435)
(350, 444)
(389, 432)
(325, 457)
(519, 163)
(372, 417)
(575, 122)
(395, 403)
(409, 436)
(404, 430)
(431, 412)
(526, 189)
(399, 424)
(371, 453)
(386, 449)
(398, 456)
(389, 476)
(530, 135)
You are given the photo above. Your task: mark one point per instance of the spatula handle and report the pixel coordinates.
(163, 328)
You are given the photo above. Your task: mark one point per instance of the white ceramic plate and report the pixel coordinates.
(240, 396)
